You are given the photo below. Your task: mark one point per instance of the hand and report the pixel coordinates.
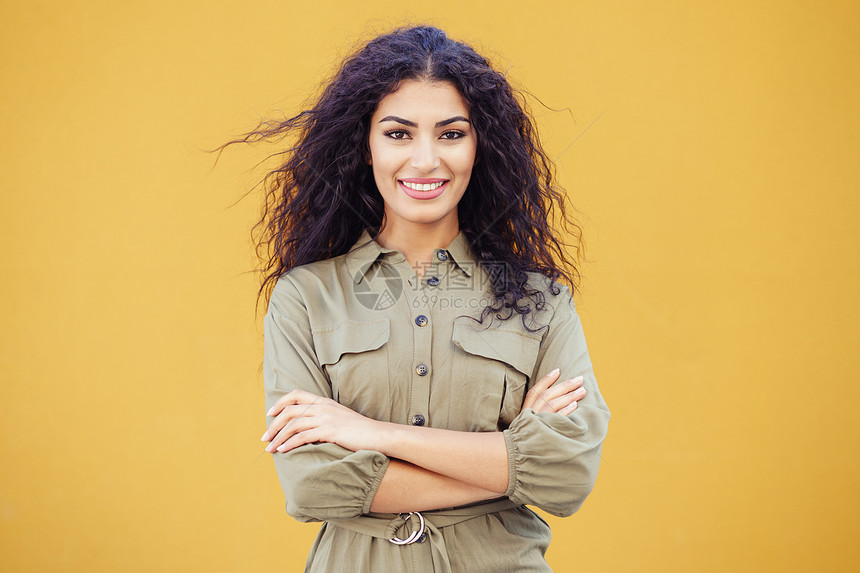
(558, 398)
(303, 418)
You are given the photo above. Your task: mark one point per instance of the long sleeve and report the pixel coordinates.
(553, 459)
(321, 481)
(359, 329)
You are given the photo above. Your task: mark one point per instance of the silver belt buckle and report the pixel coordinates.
(416, 535)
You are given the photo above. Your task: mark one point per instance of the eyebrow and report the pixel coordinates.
(442, 123)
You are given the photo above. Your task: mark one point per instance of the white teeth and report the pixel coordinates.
(423, 186)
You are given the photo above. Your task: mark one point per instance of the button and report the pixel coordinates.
(421, 320)
(421, 369)
(433, 281)
(421, 539)
(417, 420)
(441, 255)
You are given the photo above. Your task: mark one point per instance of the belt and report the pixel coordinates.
(407, 528)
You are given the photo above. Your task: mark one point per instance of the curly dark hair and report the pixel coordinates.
(323, 195)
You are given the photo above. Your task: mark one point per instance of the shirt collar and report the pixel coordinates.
(460, 252)
(365, 252)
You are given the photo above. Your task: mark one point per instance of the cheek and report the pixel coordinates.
(464, 162)
(383, 175)
(385, 161)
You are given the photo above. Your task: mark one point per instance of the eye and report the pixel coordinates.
(396, 134)
(453, 134)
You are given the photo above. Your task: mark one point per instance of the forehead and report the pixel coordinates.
(415, 98)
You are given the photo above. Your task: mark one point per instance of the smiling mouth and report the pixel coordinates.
(422, 186)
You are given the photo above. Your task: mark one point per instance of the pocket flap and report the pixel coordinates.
(514, 348)
(349, 337)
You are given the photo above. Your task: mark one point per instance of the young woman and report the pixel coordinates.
(426, 373)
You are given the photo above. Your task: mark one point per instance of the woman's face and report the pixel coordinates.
(422, 148)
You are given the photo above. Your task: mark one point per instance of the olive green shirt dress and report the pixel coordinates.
(360, 328)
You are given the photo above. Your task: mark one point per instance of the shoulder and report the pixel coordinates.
(327, 292)
(302, 285)
(552, 302)
(312, 274)
(551, 289)
(344, 269)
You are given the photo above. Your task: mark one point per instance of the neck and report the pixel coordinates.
(418, 241)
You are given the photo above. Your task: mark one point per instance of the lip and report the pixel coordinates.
(422, 180)
(423, 194)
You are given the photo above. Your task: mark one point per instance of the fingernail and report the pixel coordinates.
(271, 410)
(555, 372)
(578, 379)
(265, 437)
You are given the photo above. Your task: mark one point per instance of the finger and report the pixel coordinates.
(558, 389)
(287, 399)
(292, 398)
(562, 402)
(283, 418)
(561, 388)
(301, 431)
(279, 421)
(300, 439)
(291, 429)
(569, 410)
(540, 386)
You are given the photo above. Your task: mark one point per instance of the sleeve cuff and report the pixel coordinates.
(553, 459)
(374, 485)
(513, 453)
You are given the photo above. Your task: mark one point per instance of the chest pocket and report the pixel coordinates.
(494, 365)
(354, 355)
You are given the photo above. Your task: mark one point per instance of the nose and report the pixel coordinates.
(425, 156)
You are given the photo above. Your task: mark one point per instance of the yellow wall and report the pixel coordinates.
(715, 169)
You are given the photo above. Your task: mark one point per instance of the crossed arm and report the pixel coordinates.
(430, 468)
